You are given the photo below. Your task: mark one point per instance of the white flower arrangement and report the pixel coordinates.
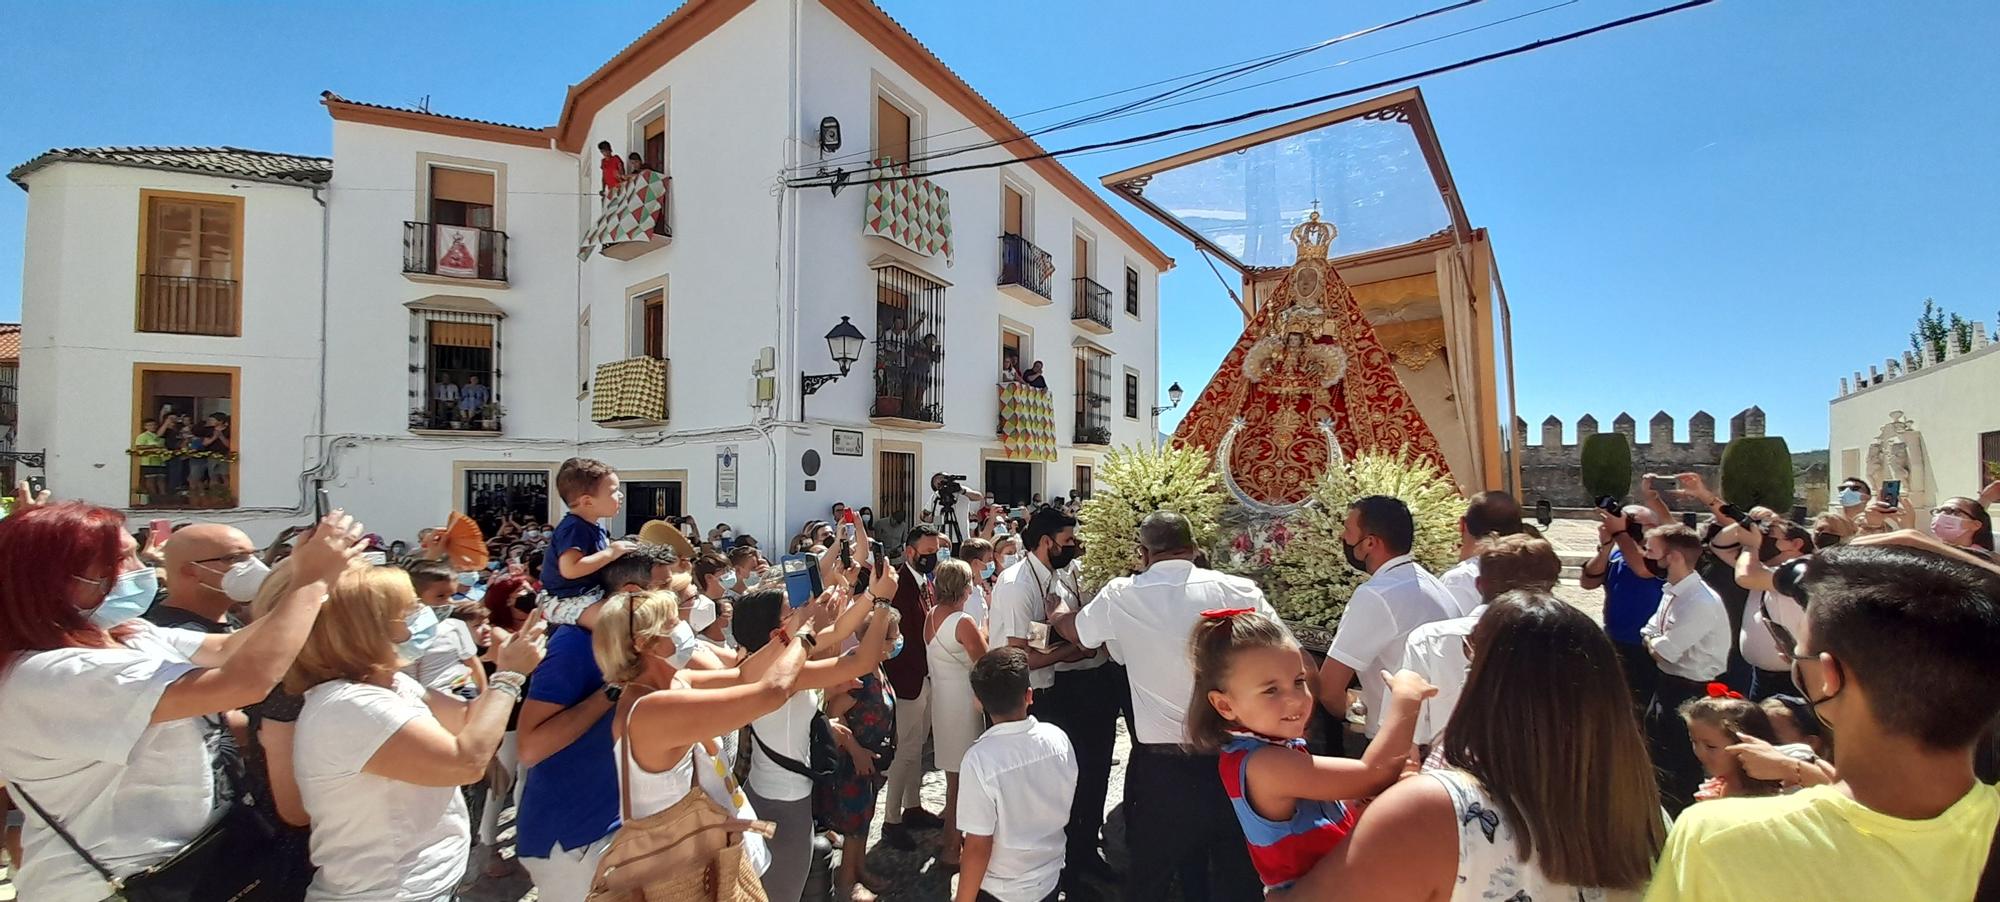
(1134, 482)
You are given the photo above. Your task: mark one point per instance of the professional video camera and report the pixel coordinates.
(949, 488)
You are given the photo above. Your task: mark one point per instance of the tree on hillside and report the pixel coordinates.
(1935, 327)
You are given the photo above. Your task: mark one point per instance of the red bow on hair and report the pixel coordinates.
(1225, 613)
(1722, 690)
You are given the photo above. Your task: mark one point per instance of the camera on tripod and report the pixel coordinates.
(947, 484)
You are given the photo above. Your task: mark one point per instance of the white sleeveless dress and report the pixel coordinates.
(1490, 868)
(955, 717)
(652, 793)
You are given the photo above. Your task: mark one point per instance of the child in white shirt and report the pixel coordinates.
(1014, 791)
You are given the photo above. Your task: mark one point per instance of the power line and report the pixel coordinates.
(1215, 75)
(822, 182)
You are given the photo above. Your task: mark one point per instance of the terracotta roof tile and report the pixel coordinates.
(229, 162)
(331, 97)
(10, 343)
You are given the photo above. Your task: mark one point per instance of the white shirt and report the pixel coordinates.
(1020, 600)
(1400, 597)
(442, 665)
(373, 838)
(785, 731)
(1463, 583)
(1015, 785)
(76, 733)
(1145, 621)
(1689, 631)
(975, 605)
(1759, 647)
(1437, 651)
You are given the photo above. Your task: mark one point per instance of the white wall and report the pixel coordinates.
(1946, 404)
(79, 295)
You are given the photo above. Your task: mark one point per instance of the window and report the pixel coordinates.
(653, 141)
(184, 431)
(1013, 212)
(455, 376)
(896, 489)
(1083, 487)
(1093, 394)
(1989, 458)
(909, 347)
(583, 368)
(1131, 395)
(191, 248)
(893, 140)
(1080, 257)
(1131, 291)
(1012, 360)
(649, 327)
(461, 197)
(491, 495)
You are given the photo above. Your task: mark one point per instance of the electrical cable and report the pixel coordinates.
(1215, 75)
(820, 182)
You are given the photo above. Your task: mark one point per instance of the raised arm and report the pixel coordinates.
(676, 718)
(427, 752)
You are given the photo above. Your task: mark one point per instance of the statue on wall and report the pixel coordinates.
(1897, 452)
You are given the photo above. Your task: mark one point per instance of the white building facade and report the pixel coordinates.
(469, 348)
(1920, 420)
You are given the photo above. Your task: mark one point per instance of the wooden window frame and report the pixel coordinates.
(1135, 390)
(1027, 194)
(428, 161)
(1135, 292)
(147, 197)
(139, 415)
(635, 319)
(882, 89)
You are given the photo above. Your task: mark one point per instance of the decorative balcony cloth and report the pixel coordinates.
(911, 211)
(630, 389)
(630, 213)
(1027, 423)
(1308, 382)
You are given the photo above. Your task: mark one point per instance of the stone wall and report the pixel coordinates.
(1553, 470)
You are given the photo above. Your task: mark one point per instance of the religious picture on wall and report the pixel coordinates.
(457, 251)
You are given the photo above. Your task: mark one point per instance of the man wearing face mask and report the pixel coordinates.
(1071, 691)
(1895, 655)
(1399, 596)
(1689, 638)
(210, 568)
(909, 675)
(1631, 593)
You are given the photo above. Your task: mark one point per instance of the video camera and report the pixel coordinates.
(947, 484)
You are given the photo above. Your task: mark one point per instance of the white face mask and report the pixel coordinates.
(1009, 560)
(702, 614)
(727, 579)
(242, 581)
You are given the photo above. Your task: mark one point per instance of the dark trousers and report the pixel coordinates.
(1084, 704)
(1674, 761)
(985, 896)
(1766, 683)
(1178, 820)
(1641, 672)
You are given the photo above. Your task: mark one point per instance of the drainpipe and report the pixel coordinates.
(320, 446)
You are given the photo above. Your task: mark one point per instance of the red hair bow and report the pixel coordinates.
(1225, 613)
(1722, 690)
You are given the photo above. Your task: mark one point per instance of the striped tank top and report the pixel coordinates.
(1283, 851)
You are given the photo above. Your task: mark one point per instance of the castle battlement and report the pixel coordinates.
(1911, 362)
(1553, 469)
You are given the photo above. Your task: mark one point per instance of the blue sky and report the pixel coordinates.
(1733, 205)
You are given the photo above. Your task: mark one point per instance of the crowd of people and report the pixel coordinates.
(1769, 709)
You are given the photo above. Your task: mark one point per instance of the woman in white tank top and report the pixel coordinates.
(1546, 792)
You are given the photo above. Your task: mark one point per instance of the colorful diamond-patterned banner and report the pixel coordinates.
(631, 389)
(909, 210)
(631, 214)
(1027, 423)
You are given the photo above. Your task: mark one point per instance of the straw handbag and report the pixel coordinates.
(691, 851)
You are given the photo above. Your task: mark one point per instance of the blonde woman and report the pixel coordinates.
(379, 759)
(953, 642)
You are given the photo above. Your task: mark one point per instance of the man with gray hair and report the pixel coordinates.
(1177, 816)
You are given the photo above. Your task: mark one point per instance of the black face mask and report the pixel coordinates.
(1825, 540)
(1768, 550)
(1063, 555)
(1352, 561)
(925, 563)
(1657, 565)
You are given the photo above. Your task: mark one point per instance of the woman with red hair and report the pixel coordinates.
(107, 716)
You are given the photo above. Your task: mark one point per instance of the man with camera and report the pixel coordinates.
(1631, 586)
(952, 507)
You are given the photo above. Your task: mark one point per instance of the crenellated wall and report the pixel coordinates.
(1552, 469)
(1893, 368)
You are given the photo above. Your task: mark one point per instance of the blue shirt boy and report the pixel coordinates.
(585, 536)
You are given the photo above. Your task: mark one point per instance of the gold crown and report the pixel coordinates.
(1313, 236)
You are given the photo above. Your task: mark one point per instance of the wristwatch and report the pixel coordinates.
(612, 691)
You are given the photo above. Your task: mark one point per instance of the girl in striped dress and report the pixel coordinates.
(1252, 702)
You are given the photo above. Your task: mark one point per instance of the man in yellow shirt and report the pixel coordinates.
(1897, 655)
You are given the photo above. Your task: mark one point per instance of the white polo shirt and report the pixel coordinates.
(1021, 598)
(1437, 652)
(1755, 639)
(1463, 583)
(1400, 597)
(1689, 631)
(1145, 621)
(1015, 785)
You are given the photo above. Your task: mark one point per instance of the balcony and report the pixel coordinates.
(1092, 312)
(1093, 425)
(634, 219)
(182, 479)
(1027, 422)
(1026, 271)
(630, 393)
(451, 254)
(184, 305)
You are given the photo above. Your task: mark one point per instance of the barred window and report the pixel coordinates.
(455, 366)
(909, 346)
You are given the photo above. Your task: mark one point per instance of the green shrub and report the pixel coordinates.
(1607, 465)
(1758, 471)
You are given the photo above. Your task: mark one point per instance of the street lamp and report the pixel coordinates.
(844, 344)
(1173, 399)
